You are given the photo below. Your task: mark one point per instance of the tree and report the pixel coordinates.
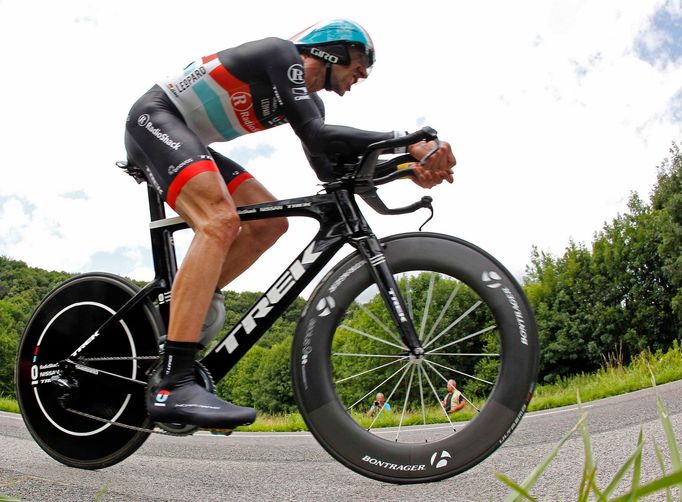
(622, 295)
(667, 202)
(21, 289)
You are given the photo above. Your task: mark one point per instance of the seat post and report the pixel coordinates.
(156, 208)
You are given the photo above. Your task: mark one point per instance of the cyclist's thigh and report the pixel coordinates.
(251, 191)
(233, 173)
(158, 140)
(243, 187)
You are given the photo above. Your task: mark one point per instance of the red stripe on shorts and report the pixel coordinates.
(238, 180)
(185, 175)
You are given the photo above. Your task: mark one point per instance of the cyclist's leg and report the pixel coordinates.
(181, 169)
(256, 236)
(205, 204)
(207, 207)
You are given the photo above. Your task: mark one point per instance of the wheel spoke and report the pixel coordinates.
(445, 308)
(434, 363)
(388, 399)
(431, 363)
(421, 393)
(375, 388)
(407, 398)
(484, 330)
(347, 354)
(468, 354)
(367, 335)
(370, 370)
(381, 324)
(455, 322)
(435, 393)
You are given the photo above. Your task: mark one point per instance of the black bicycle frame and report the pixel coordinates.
(340, 221)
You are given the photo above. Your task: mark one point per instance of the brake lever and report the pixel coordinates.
(426, 157)
(426, 204)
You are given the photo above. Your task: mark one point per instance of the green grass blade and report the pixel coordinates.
(637, 468)
(653, 487)
(589, 469)
(102, 491)
(661, 462)
(669, 433)
(514, 486)
(587, 485)
(587, 441)
(626, 466)
(532, 478)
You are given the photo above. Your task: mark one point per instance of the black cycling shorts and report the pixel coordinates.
(158, 140)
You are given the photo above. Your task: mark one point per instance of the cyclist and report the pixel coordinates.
(237, 91)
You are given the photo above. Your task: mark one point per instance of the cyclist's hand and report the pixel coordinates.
(426, 178)
(438, 167)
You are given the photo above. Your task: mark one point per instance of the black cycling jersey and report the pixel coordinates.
(237, 91)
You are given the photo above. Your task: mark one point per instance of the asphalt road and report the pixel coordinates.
(247, 466)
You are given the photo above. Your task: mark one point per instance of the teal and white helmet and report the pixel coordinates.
(330, 40)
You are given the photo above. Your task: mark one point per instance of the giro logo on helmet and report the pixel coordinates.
(332, 35)
(324, 55)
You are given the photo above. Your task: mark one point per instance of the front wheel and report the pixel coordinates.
(477, 330)
(67, 317)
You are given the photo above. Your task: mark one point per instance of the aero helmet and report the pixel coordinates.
(330, 40)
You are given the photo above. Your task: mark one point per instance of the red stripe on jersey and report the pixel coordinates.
(236, 181)
(240, 98)
(206, 59)
(185, 175)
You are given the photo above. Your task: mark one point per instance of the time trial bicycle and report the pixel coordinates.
(402, 315)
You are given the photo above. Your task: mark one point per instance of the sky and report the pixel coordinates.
(556, 111)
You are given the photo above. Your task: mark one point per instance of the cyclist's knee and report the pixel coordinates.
(221, 226)
(278, 227)
(265, 233)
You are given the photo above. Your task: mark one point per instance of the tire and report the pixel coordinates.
(67, 317)
(479, 330)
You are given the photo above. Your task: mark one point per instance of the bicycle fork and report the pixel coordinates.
(371, 250)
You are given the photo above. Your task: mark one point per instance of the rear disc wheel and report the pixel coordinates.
(67, 317)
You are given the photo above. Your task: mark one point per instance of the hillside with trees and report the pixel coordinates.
(608, 300)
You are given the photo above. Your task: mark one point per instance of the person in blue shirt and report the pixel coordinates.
(379, 404)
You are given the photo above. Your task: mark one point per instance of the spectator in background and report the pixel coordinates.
(454, 400)
(379, 404)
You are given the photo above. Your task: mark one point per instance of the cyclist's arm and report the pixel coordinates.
(303, 113)
(323, 167)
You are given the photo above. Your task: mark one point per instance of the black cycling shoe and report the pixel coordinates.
(189, 403)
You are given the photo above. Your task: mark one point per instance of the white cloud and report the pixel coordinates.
(553, 113)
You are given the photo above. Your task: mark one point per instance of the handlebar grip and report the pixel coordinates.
(424, 134)
(378, 205)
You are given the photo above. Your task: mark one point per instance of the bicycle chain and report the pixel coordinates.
(113, 422)
(119, 358)
(140, 429)
(120, 424)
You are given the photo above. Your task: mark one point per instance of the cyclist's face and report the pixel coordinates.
(344, 77)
